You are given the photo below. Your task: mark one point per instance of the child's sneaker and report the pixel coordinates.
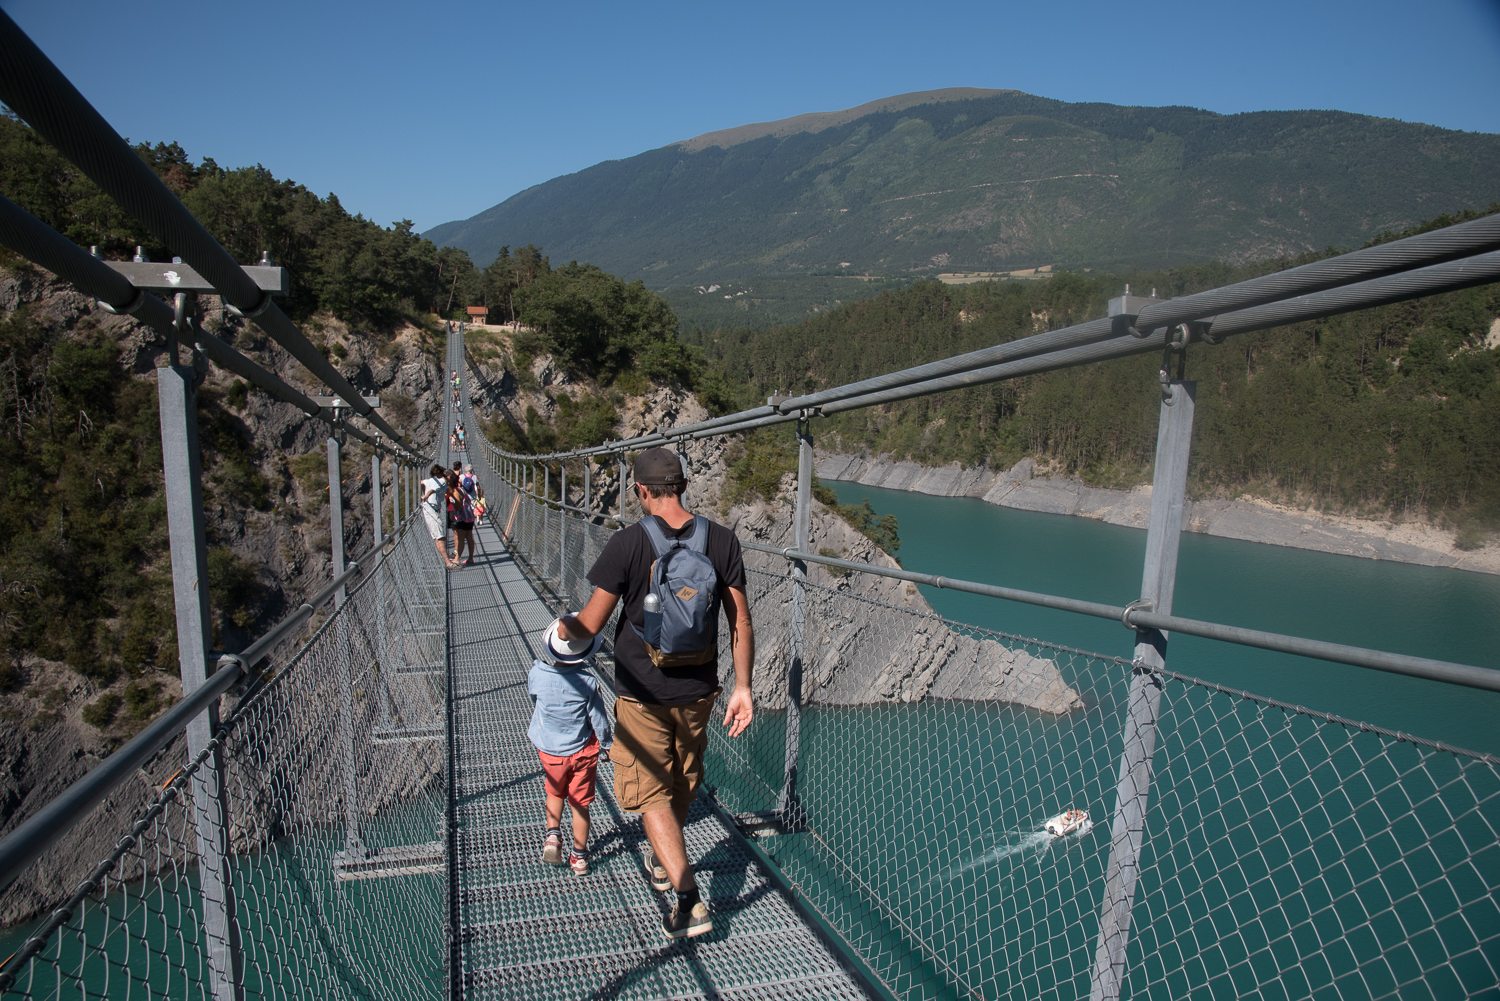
(658, 876)
(552, 848)
(579, 863)
(687, 921)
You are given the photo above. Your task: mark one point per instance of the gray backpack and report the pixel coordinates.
(682, 630)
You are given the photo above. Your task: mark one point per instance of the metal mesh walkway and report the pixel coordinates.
(529, 930)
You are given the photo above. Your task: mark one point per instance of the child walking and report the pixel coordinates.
(571, 731)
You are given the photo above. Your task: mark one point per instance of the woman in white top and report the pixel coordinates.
(434, 513)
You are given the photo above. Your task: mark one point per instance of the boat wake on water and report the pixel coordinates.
(1028, 844)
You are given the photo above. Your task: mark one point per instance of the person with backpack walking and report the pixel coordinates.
(461, 514)
(675, 572)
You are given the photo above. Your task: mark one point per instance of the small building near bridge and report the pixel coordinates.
(479, 314)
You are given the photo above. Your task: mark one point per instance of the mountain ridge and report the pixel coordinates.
(820, 121)
(960, 180)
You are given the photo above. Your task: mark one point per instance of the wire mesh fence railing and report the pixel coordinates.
(1285, 852)
(335, 795)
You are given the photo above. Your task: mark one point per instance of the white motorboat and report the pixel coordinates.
(1066, 823)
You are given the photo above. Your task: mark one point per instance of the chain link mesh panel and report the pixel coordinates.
(1287, 853)
(333, 780)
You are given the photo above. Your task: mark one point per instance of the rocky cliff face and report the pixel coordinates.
(868, 639)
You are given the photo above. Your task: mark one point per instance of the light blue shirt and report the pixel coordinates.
(567, 708)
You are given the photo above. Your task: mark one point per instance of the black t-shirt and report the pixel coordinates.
(623, 569)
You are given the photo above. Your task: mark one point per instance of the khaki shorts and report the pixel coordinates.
(658, 753)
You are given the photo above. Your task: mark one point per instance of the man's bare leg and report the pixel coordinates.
(665, 835)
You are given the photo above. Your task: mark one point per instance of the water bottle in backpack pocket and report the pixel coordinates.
(682, 599)
(652, 607)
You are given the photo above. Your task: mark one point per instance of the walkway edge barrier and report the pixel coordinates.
(40, 831)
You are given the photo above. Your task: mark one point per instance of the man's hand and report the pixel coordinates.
(739, 712)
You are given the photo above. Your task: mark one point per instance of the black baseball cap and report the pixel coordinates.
(657, 467)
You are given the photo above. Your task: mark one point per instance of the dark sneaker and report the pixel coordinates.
(687, 922)
(658, 876)
(552, 849)
(578, 863)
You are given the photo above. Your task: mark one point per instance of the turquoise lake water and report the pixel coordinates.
(1444, 614)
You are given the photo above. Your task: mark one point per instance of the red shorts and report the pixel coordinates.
(572, 777)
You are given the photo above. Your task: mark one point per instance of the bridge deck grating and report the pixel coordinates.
(532, 930)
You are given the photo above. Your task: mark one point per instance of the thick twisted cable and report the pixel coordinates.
(36, 90)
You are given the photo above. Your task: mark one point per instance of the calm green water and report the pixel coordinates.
(1284, 854)
(306, 934)
(1426, 611)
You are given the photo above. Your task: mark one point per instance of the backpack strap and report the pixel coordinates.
(696, 540)
(659, 543)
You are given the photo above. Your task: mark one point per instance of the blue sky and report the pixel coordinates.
(435, 111)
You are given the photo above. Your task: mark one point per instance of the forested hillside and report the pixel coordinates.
(342, 264)
(1387, 413)
(85, 588)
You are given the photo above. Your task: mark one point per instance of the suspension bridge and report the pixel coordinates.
(349, 806)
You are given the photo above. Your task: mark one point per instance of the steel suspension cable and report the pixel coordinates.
(1447, 277)
(1464, 239)
(33, 87)
(1413, 282)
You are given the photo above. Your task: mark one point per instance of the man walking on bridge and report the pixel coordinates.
(661, 712)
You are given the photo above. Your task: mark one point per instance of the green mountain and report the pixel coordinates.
(980, 181)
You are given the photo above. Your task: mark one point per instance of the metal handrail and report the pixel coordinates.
(1133, 616)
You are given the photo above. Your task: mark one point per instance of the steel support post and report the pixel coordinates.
(562, 534)
(585, 561)
(182, 469)
(528, 474)
(620, 490)
(1133, 789)
(787, 804)
(546, 517)
(336, 515)
(377, 499)
(345, 680)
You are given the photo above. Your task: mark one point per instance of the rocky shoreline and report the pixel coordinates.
(1246, 518)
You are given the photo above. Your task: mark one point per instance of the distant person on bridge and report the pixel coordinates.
(571, 733)
(661, 714)
(434, 492)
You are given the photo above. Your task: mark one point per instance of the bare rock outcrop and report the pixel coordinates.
(873, 639)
